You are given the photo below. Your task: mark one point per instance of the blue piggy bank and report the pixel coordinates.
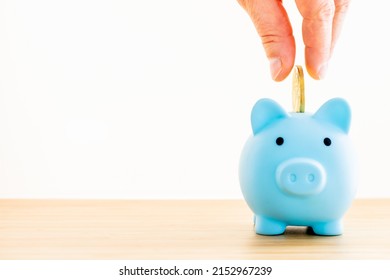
(298, 168)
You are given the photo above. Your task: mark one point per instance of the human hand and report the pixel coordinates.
(321, 26)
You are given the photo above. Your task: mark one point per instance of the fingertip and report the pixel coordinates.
(312, 73)
(275, 66)
(280, 68)
(318, 73)
(322, 70)
(317, 62)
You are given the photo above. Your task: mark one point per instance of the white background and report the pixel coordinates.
(151, 99)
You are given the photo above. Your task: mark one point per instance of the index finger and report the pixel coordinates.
(317, 34)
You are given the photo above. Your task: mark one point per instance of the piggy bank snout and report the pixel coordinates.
(301, 176)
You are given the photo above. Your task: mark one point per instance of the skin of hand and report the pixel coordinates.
(321, 26)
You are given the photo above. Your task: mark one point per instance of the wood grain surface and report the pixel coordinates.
(177, 229)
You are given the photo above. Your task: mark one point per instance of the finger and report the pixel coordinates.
(341, 7)
(317, 34)
(273, 26)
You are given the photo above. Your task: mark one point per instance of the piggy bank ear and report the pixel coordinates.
(337, 112)
(264, 112)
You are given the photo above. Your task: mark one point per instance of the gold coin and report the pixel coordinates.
(298, 90)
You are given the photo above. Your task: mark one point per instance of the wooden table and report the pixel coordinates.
(177, 229)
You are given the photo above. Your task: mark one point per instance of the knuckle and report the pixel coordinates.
(267, 40)
(325, 10)
(342, 6)
(270, 39)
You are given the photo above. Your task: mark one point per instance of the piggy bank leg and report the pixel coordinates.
(328, 228)
(267, 226)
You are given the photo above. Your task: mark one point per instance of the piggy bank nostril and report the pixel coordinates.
(293, 178)
(310, 177)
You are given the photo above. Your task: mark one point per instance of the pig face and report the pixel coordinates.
(297, 167)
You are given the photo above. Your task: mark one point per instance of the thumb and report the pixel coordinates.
(273, 26)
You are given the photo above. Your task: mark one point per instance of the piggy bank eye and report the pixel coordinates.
(327, 141)
(279, 141)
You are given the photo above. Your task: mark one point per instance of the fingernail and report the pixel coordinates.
(275, 65)
(322, 71)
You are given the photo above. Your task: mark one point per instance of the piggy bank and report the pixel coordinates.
(299, 169)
